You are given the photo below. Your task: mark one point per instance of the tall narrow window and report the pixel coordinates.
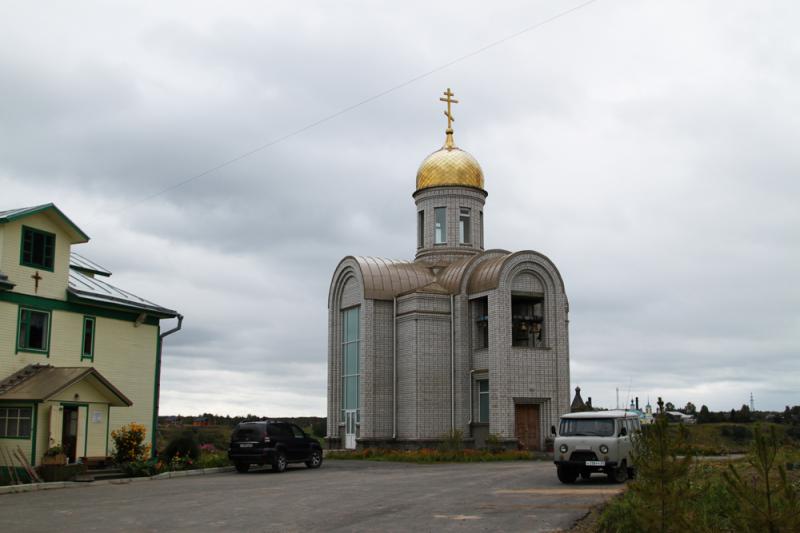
(421, 229)
(483, 400)
(33, 331)
(481, 228)
(350, 371)
(480, 311)
(87, 349)
(38, 248)
(464, 236)
(527, 315)
(440, 219)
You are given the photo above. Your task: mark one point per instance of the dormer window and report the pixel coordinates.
(38, 248)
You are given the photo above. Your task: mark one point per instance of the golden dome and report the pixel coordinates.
(449, 166)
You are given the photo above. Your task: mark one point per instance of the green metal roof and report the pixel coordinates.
(15, 214)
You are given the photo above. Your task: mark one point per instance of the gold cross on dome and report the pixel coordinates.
(449, 94)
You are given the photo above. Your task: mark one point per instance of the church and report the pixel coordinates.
(463, 341)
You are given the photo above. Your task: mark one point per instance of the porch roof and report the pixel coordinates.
(42, 382)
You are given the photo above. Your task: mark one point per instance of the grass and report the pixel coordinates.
(429, 455)
(707, 501)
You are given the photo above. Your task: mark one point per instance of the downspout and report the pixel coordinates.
(157, 388)
(394, 370)
(452, 364)
(471, 400)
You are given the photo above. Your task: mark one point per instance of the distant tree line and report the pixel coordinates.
(318, 424)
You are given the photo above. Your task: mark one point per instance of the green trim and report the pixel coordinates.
(40, 208)
(33, 432)
(85, 433)
(19, 348)
(156, 391)
(88, 356)
(108, 425)
(31, 264)
(151, 317)
(61, 305)
(86, 428)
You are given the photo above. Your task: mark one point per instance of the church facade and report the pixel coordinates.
(462, 340)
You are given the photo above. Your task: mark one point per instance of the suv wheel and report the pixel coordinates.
(279, 464)
(316, 459)
(241, 467)
(567, 475)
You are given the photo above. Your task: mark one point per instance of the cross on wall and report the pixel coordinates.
(36, 279)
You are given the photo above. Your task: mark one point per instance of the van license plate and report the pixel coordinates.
(595, 463)
(246, 445)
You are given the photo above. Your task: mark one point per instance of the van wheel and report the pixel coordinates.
(631, 473)
(279, 464)
(241, 467)
(619, 475)
(567, 475)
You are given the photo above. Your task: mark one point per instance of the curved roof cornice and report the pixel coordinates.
(487, 275)
(383, 279)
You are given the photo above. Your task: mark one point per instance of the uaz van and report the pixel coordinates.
(595, 441)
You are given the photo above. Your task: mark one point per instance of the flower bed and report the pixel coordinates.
(429, 455)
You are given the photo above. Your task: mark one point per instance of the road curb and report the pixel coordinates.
(31, 487)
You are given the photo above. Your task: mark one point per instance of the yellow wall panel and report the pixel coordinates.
(53, 284)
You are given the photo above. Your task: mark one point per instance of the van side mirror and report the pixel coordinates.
(623, 432)
(552, 430)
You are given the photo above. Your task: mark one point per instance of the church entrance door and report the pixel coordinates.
(350, 430)
(526, 425)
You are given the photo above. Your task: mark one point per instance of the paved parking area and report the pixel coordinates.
(341, 496)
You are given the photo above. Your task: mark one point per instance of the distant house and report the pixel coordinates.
(677, 416)
(78, 356)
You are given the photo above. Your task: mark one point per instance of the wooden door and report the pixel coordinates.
(69, 435)
(526, 425)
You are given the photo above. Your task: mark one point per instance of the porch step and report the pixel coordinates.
(105, 473)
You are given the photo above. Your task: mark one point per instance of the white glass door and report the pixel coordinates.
(350, 430)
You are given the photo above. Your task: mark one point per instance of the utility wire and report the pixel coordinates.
(349, 108)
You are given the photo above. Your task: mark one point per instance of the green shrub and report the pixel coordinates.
(146, 468)
(184, 445)
(319, 428)
(738, 434)
(213, 460)
(452, 441)
(493, 443)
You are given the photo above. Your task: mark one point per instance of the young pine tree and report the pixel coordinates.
(662, 483)
(767, 502)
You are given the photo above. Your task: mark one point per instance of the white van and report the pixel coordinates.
(595, 441)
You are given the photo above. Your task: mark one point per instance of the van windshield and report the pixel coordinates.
(582, 427)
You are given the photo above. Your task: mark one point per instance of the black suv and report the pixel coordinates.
(274, 443)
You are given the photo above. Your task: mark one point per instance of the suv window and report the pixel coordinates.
(278, 430)
(298, 433)
(248, 433)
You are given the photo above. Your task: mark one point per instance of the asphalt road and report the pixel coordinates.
(341, 496)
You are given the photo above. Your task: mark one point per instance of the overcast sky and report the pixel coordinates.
(650, 149)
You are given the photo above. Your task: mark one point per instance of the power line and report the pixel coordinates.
(349, 108)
